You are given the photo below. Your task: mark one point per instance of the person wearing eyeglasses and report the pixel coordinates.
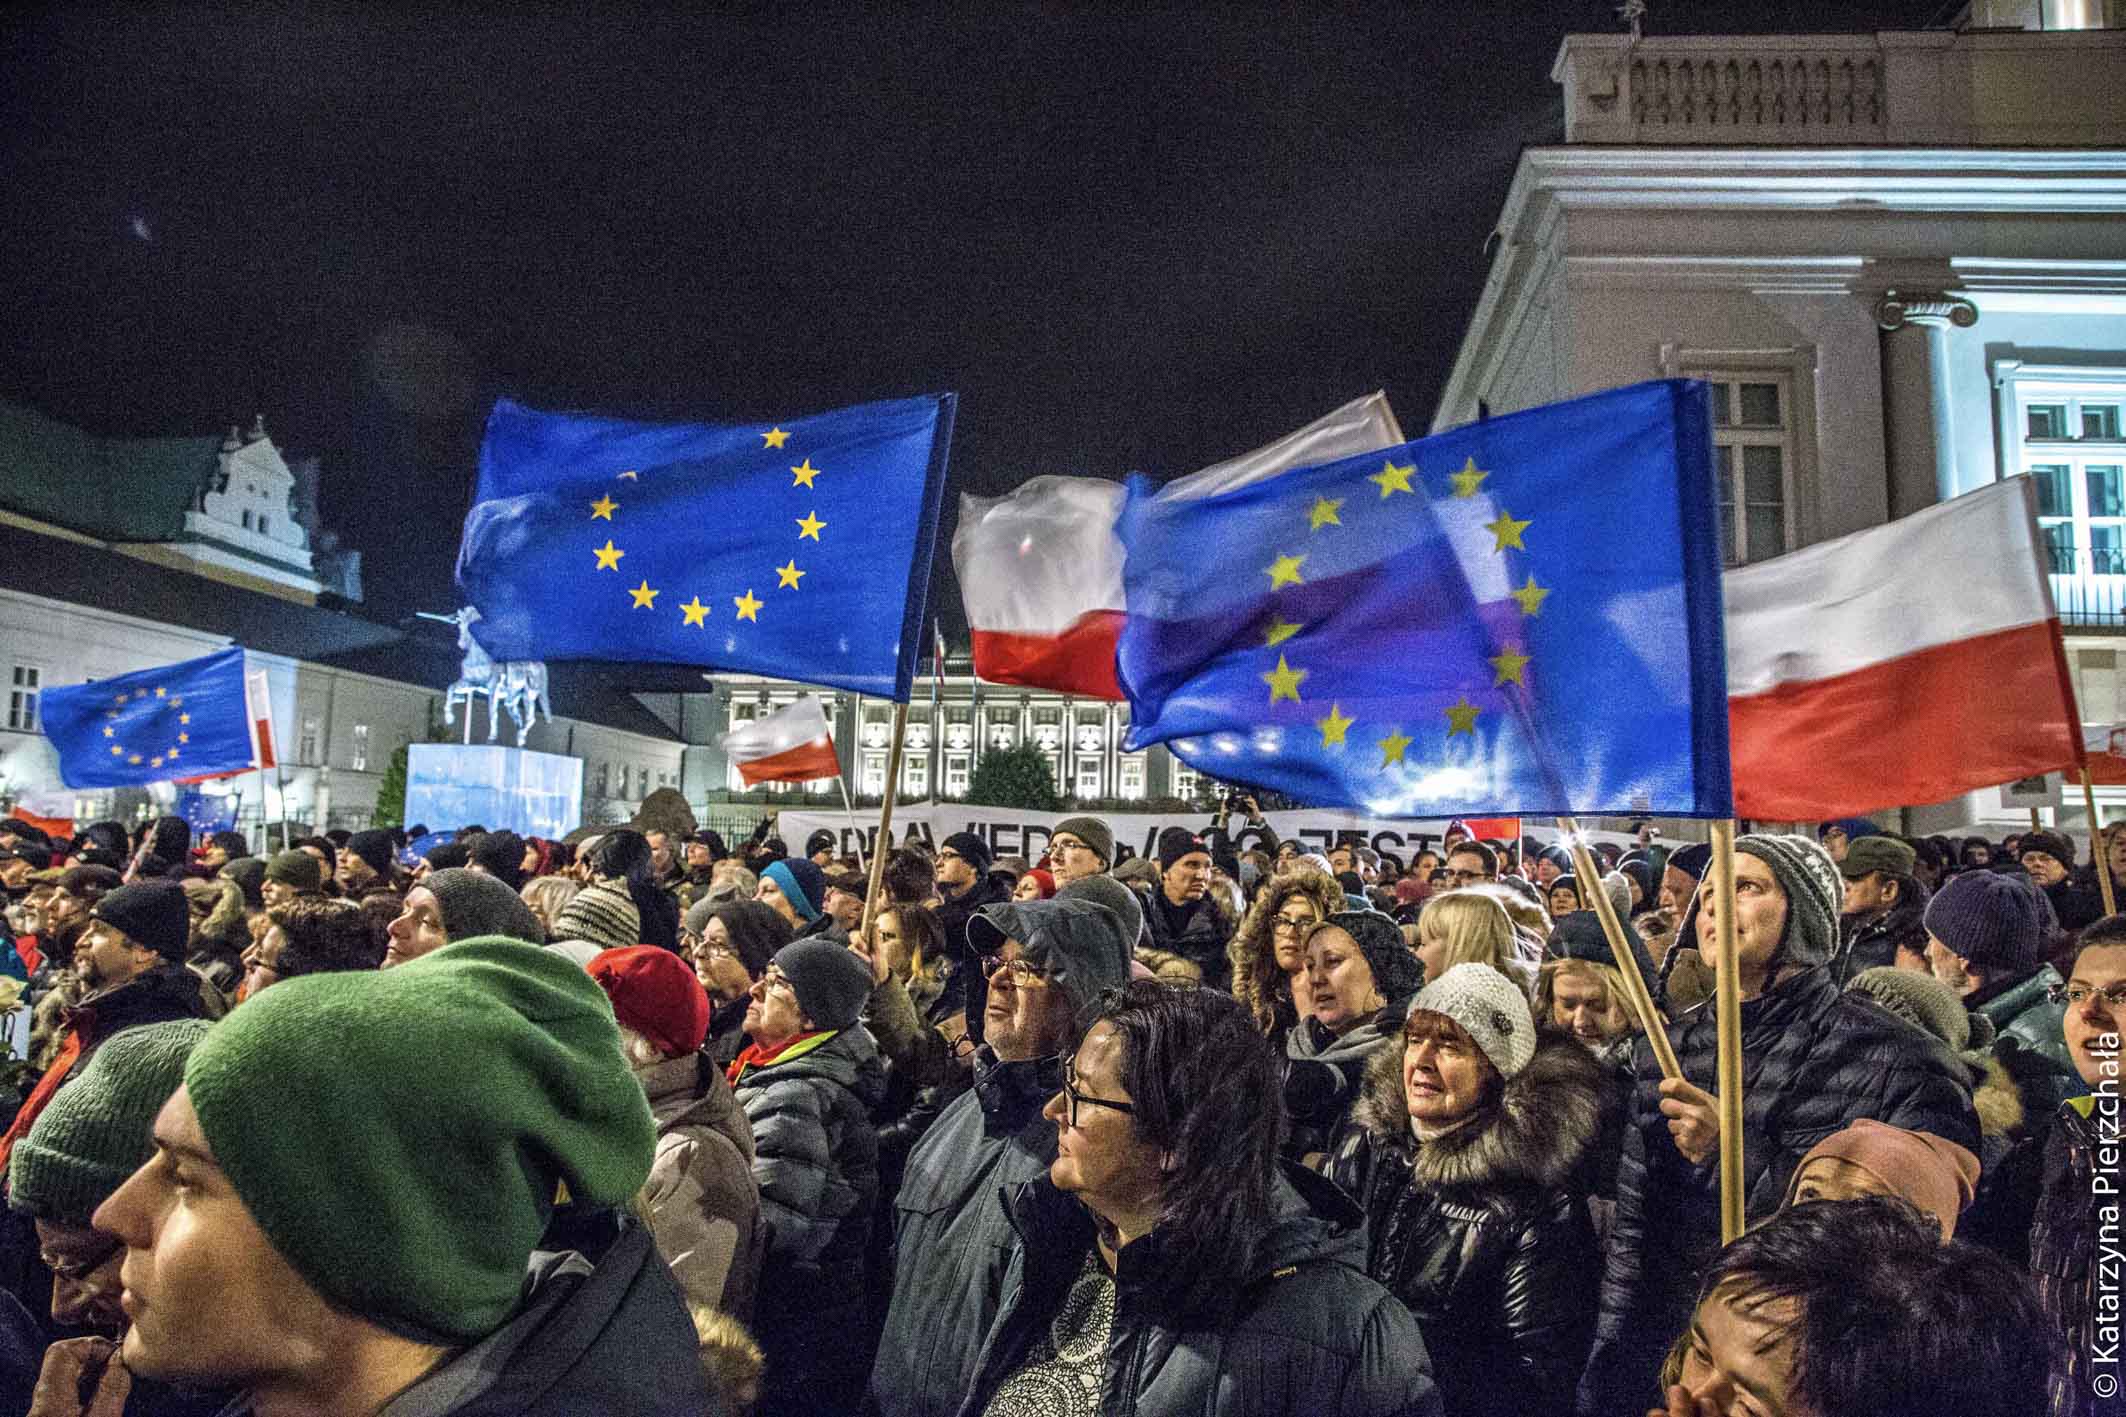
(808, 1083)
(1168, 1262)
(2076, 1286)
(93, 1136)
(1269, 951)
(1471, 862)
(1044, 961)
(1987, 937)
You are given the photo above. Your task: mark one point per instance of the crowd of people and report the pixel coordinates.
(646, 1122)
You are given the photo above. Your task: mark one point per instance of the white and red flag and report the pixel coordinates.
(792, 744)
(1040, 568)
(1902, 664)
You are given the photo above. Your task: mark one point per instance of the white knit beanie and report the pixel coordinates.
(1489, 1007)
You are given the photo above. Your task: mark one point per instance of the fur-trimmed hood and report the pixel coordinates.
(1539, 1134)
(1257, 982)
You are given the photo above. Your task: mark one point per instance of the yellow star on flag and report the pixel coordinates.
(110, 732)
(1332, 728)
(603, 507)
(609, 556)
(804, 472)
(748, 607)
(809, 525)
(1280, 631)
(645, 598)
(1324, 513)
(1284, 571)
(1284, 681)
(774, 438)
(1531, 596)
(171, 754)
(1508, 531)
(121, 698)
(1391, 749)
(117, 751)
(788, 575)
(696, 612)
(155, 762)
(1392, 479)
(1461, 717)
(134, 759)
(184, 718)
(159, 691)
(1508, 663)
(184, 737)
(175, 702)
(1468, 479)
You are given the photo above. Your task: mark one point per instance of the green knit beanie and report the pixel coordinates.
(399, 1136)
(99, 1128)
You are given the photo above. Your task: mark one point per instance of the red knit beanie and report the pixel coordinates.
(655, 993)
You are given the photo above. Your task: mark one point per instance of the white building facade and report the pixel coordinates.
(1900, 259)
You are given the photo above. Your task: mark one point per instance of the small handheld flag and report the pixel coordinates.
(183, 720)
(792, 744)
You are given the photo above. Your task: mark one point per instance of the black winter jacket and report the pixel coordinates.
(953, 1241)
(1197, 931)
(1306, 1332)
(1814, 1060)
(1867, 941)
(1484, 1233)
(2071, 1263)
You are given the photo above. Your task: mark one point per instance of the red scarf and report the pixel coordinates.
(754, 1056)
(69, 1054)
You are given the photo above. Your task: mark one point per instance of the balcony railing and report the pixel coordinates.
(2089, 585)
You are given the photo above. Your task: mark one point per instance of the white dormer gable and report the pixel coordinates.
(249, 504)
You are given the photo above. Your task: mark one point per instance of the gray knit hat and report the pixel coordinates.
(96, 1132)
(473, 903)
(1814, 891)
(602, 914)
(1094, 833)
(830, 982)
(1925, 1002)
(1489, 1007)
(296, 867)
(1114, 897)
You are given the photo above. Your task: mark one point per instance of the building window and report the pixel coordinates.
(1089, 777)
(1132, 785)
(874, 775)
(2064, 432)
(1187, 782)
(247, 518)
(359, 760)
(306, 744)
(261, 523)
(22, 698)
(956, 774)
(1753, 452)
(915, 777)
(604, 781)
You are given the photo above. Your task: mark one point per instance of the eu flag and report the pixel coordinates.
(182, 720)
(1519, 616)
(799, 549)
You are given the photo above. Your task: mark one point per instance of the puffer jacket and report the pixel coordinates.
(1813, 1061)
(2026, 1021)
(1867, 941)
(605, 1332)
(1484, 1233)
(1305, 1332)
(2067, 1250)
(953, 1240)
(815, 1155)
(1198, 931)
(701, 1200)
(1324, 1075)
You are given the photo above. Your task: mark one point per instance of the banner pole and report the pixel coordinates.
(2096, 844)
(884, 844)
(849, 810)
(1727, 1002)
(1636, 989)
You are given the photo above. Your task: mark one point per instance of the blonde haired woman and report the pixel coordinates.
(1269, 951)
(1585, 998)
(1471, 927)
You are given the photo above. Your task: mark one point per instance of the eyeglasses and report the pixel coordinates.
(74, 1271)
(1073, 1099)
(2076, 995)
(1021, 970)
(776, 979)
(1057, 845)
(961, 1047)
(1291, 924)
(1464, 877)
(946, 853)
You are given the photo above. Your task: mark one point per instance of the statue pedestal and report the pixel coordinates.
(514, 789)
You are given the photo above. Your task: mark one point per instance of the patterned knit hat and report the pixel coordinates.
(96, 1132)
(1808, 875)
(1397, 973)
(602, 914)
(1489, 1007)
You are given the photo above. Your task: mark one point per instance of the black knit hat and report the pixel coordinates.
(2058, 845)
(151, 913)
(1397, 973)
(1992, 919)
(373, 848)
(1177, 842)
(973, 850)
(820, 840)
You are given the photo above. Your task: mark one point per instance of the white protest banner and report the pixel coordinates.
(1012, 831)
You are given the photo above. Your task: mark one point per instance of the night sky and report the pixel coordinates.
(1132, 237)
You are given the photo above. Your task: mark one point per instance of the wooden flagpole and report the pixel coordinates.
(2096, 843)
(1727, 1003)
(1636, 989)
(883, 846)
(841, 780)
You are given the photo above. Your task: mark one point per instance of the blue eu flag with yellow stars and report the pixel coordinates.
(1522, 616)
(799, 549)
(180, 721)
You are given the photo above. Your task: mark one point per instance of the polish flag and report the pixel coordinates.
(258, 707)
(1040, 569)
(1906, 663)
(790, 745)
(2104, 754)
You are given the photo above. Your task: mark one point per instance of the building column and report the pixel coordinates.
(1915, 385)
